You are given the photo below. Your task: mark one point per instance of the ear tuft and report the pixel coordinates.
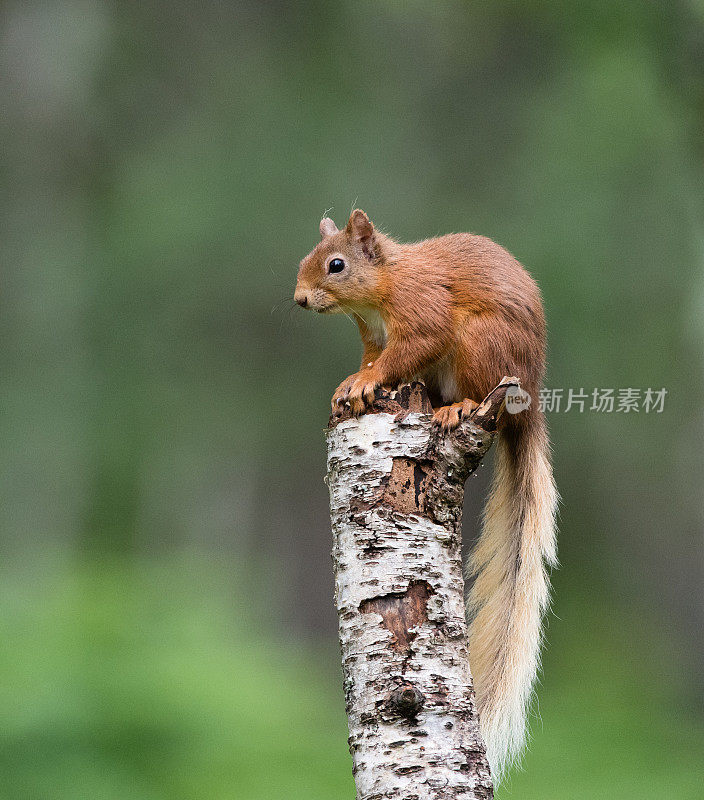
(360, 229)
(327, 227)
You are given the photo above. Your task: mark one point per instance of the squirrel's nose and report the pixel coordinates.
(301, 298)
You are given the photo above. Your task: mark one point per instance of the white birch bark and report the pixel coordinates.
(396, 490)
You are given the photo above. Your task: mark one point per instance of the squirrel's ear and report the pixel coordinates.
(327, 227)
(360, 229)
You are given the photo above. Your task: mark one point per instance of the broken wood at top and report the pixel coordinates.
(396, 494)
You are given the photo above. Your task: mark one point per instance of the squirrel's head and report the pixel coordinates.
(342, 271)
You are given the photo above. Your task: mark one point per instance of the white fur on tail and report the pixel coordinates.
(511, 590)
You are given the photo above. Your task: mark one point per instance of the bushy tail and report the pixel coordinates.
(511, 590)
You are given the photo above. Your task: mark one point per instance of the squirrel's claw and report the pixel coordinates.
(449, 417)
(341, 395)
(357, 390)
(361, 394)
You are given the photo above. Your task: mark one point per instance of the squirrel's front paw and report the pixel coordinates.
(342, 394)
(357, 390)
(361, 392)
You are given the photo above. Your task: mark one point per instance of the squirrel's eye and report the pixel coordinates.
(336, 265)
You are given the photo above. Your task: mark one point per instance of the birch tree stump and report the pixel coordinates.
(396, 491)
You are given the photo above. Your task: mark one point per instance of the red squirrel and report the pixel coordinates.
(459, 312)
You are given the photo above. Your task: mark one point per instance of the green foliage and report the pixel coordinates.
(611, 720)
(155, 680)
(122, 680)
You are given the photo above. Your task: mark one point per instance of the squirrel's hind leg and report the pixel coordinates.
(449, 417)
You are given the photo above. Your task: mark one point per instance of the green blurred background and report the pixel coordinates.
(167, 621)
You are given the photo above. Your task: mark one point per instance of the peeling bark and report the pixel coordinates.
(396, 491)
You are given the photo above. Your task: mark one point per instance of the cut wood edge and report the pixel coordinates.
(489, 411)
(412, 398)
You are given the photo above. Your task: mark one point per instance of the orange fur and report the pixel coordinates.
(460, 313)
